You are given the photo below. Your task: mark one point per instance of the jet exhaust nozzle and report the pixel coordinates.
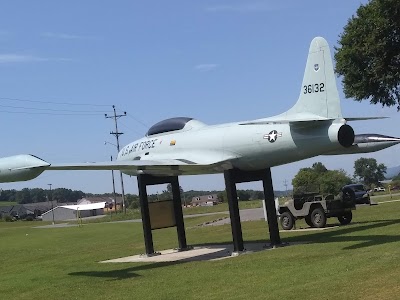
(346, 136)
(342, 134)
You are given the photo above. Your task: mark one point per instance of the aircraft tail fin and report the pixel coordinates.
(318, 95)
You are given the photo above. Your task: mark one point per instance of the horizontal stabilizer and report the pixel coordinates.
(294, 121)
(365, 118)
(305, 119)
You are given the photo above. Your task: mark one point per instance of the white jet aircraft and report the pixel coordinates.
(185, 146)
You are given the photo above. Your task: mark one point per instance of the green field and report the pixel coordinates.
(135, 213)
(7, 203)
(358, 261)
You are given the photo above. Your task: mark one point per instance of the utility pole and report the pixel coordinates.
(51, 201)
(285, 184)
(116, 133)
(113, 181)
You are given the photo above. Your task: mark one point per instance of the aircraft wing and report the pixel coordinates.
(122, 165)
(159, 166)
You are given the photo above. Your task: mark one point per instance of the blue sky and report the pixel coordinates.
(216, 61)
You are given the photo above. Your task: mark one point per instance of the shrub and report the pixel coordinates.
(8, 218)
(29, 218)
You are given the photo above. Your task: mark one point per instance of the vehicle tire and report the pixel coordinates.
(345, 218)
(318, 218)
(308, 221)
(287, 220)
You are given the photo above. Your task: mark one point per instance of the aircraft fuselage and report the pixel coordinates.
(247, 147)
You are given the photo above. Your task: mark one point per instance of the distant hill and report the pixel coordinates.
(392, 172)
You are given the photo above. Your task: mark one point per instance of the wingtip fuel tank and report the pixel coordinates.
(21, 167)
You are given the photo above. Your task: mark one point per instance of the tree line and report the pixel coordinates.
(64, 195)
(40, 195)
(319, 179)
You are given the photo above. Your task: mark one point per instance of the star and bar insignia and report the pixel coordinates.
(272, 136)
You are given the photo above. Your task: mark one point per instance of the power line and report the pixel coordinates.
(44, 113)
(51, 109)
(135, 131)
(137, 120)
(52, 102)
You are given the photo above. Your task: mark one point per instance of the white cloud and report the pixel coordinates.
(18, 58)
(206, 67)
(66, 36)
(242, 7)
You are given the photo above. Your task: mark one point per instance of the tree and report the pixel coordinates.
(222, 196)
(319, 167)
(66, 195)
(305, 180)
(243, 195)
(368, 171)
(333, 180)
(169, 188)
(8, 195)
(37, 195)
(132, 201)
(319, 179)
(23, 196)
(368, 55)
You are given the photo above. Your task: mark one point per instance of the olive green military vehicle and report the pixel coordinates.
(316, 208)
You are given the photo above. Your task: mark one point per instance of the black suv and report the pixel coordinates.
(357, 192)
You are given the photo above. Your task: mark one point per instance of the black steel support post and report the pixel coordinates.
(180, 225)
(271, 209)
(143, 181)
(236, 227)
(144, 208)
(234, 176)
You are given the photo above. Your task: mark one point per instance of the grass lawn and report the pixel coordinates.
(7, 203)
(220, 207)
(358, 261)
(135, 213)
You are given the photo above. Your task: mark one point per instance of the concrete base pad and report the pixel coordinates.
(199, 253)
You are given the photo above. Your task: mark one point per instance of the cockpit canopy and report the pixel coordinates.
(168, 125)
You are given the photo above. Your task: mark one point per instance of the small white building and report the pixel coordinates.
(70, 212)
(206, 200)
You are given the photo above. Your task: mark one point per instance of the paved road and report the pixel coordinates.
(251, 214)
